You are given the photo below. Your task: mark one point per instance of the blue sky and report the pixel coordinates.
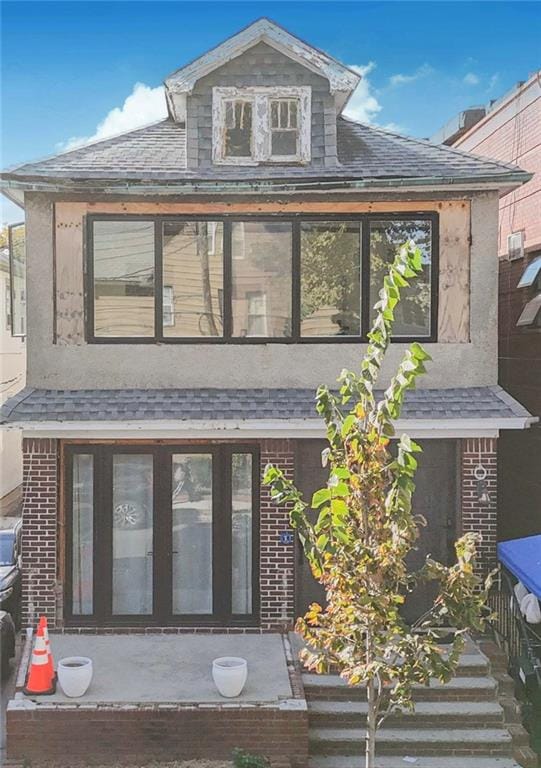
(69, 67)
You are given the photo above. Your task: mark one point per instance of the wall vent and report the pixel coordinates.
(515, 246)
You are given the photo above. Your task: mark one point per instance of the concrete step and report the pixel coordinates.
(454, 714)
(333, 688)
(334, 761)
(415, 742)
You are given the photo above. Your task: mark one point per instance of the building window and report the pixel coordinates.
(261, 279)
(261, 125)
(257, 280)
(164, 534)
(238, 128)
(284, 126)
(193, 274)
(17, 278)
(123, 277)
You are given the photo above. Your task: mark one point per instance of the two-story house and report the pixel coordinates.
(189, 285)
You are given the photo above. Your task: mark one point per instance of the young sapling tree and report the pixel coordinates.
(365, 529)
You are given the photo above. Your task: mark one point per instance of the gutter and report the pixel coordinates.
(244, 428)
(110, 186)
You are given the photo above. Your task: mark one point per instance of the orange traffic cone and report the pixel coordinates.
(40, 682)
(43, 626)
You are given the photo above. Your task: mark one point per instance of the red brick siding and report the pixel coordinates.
(106, 734)
(476, 517)
(39, 533)
(277, 561)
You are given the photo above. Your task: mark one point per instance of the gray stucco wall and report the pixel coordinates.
(272, 365)
(264, 66)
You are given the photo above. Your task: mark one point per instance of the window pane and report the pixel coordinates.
(132, 533)
(193, 278)
(192, 533)
(238, 129)
(261, 279)
(330, 278)
(241, 522)
(83, 534)
(124, 278)
(284, 143)
(17, 260)
(412, 314)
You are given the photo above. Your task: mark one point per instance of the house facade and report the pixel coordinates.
(509, 130)
(189, 285)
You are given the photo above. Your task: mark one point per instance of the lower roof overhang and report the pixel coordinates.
(246, 429)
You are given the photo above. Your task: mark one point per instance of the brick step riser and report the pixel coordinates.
(347, 720)
(430, 694)
(436, 749)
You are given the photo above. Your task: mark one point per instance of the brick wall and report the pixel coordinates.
(476, 516)
(39, 533)
(105, 734)
(277, 561)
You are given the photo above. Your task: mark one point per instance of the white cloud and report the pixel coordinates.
(144, 105)
(363, 104)
(403, 79)
(471, 79)
(494, 80)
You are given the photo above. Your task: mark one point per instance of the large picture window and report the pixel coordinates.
(274, 279)
(162, 534)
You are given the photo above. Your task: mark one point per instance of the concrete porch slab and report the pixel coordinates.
(173, 668)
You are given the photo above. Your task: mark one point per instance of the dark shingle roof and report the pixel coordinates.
(158, 153)
(41, 405)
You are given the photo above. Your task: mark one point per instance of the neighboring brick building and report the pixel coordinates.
(509, 130)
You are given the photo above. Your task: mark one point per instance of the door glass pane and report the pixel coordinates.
(331, 278)
(83, 534)
(241, 522)
(123, 278)
(261, 266)
(132, 533)
(193, 278)
(412, 313)
(192, 533)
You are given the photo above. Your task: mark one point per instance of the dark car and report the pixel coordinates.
(7, 642)
(10, 568)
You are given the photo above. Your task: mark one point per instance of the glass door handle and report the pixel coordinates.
(149, 554)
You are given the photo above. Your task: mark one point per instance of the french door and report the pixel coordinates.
(161, 535)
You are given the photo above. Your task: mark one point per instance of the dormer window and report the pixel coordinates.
(238, 128)
(258, 125)
(284, 126)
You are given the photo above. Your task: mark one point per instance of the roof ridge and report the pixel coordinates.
(427, 143)
(90, 144)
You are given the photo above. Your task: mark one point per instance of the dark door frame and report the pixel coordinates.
(162, 615)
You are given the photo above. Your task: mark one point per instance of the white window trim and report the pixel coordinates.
(260, 98)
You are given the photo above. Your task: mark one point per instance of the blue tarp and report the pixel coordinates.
(523, 558)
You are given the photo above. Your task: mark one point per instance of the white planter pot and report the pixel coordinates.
(229, 674)
(75, 675)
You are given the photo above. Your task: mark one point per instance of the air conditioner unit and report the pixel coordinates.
(515, 246)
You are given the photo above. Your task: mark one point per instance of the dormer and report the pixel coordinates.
(262, 97)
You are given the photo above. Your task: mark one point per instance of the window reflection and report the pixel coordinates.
(83, 534)
(124, 278)
(330, 278)
(193, 278)
(132, 533)
(192, 533)
(241, 533)
(412, 313)
(261, 271)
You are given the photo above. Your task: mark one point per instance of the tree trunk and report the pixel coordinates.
(371, 725)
